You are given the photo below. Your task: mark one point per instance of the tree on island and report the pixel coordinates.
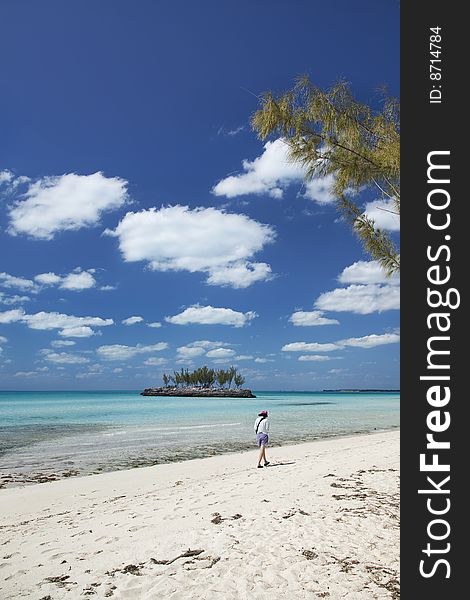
(238, 380)
(331, 133)
(204, 377)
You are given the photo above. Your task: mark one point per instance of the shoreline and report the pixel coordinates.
(16, 479)
(320, 521)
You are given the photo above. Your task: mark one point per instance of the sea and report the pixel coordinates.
(50, 435)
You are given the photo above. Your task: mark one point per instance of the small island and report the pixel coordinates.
(202, 382)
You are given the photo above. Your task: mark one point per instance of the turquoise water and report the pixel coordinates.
(88, 432)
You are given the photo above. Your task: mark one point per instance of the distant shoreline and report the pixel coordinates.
(361, 391)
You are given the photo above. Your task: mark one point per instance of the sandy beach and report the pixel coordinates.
(322, 521)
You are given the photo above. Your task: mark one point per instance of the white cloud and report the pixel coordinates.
(314, 358)
(368, 341)
(184, 361)
(121, 352)
(271, 174)
(10, 281)
(230, 132)
(5, 176)
(65, 358)
(65, 203)
(240, 275)
(118, 370)
(208, 315)
(371, 341)
(235, 131)
(3, 339)
(360, 299)
(11, 316)
(200, 347)
(93, 371)
(313, 318)
(190, 352)
(82, 280)
(26, 374)
(77, 280)
(70, 325)
(217, 243)
(155, 325)
(244, 357)
(268, 174)
(132, 320)
(82, 331)
(11, 300)
(87, 375)
(207, 344)
(54, 320)
(108, 288)
(220, 353)
(17, 181)
(319, 190)
(48, 278)
(366, 272)
(263, 360)
(310, 347)
(383, 212)
(370, 291)
(62, 343)
(155, 362)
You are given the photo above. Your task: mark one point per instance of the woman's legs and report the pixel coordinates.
(262, 455)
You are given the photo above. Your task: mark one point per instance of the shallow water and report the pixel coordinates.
(64, 433)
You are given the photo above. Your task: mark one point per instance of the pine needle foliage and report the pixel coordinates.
(331, 133)
(204, 377)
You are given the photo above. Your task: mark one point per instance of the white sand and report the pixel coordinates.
(320, 522)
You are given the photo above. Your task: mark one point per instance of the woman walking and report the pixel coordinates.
(261, 428)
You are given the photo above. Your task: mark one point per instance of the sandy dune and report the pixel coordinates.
(320, 522)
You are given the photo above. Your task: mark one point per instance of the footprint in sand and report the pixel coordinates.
(112, 540)
(16, 575)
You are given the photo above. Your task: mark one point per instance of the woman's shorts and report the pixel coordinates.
(262, 439)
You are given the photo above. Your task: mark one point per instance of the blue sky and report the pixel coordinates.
(132, 187)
